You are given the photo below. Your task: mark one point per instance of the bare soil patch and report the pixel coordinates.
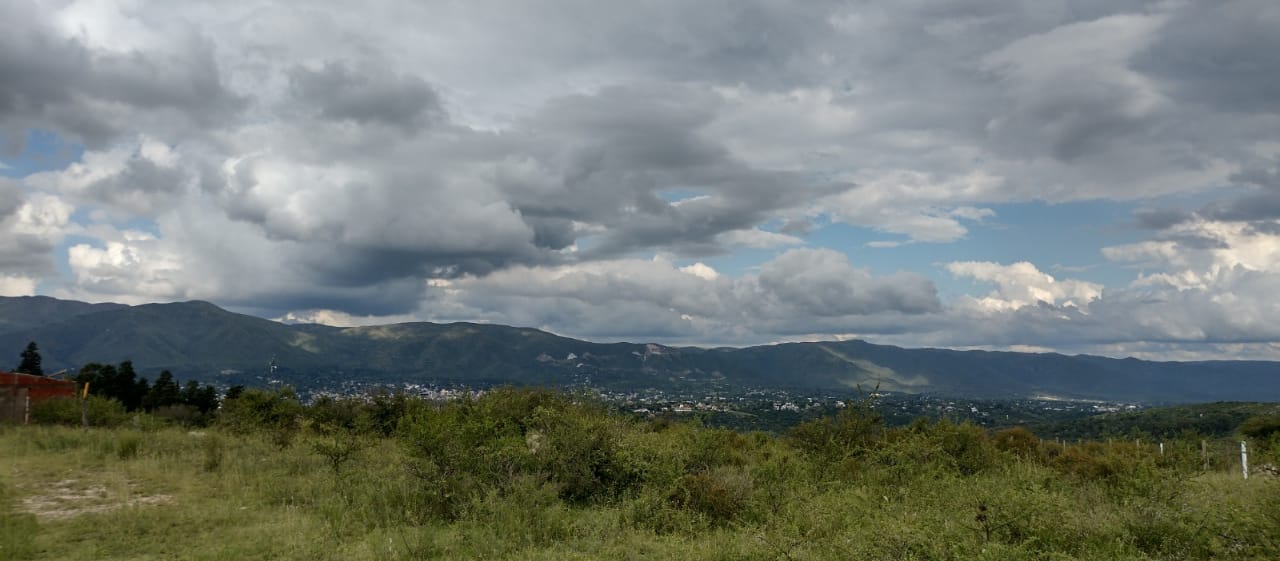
(70, 498)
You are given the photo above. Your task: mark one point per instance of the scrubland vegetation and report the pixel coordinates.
(530, 474)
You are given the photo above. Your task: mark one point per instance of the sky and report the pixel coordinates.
(1083, 177)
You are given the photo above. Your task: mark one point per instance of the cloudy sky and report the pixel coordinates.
(1083, 176)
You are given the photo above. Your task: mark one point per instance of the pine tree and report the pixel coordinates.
(31, 361)
(163, 393)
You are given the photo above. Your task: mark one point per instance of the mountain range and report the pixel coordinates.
(198, 340)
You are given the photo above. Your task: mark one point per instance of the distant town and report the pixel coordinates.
(773, 409)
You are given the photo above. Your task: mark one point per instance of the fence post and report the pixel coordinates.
(1204, 454)
(1244, 459)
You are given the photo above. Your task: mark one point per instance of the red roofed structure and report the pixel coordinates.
(19, 391)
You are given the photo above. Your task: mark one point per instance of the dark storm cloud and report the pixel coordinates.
(377, 299)
(1195, 241)
(142, 187)
(588, 169)
(95, 96)
(551, 232)
(365, 95)
(1221, 54)
(10, 197)
(625, 146)
(1159, 219)
(822, 283)
(1259, 206)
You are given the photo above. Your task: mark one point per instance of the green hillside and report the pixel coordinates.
(200, 340)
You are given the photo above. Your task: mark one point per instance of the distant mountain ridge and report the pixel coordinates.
(29, 312)
(201, 340)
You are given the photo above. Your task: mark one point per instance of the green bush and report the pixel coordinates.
(470, 446)
(328, 414)
(965, 445)
(182, 415)
(382, 412)
(577, 449)
(276, 412)
(127, 445)
(851, 432)
(722, 493)
(212, 449)
(102, 412)
(1017, 441)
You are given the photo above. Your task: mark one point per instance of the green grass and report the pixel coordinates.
(931, 491)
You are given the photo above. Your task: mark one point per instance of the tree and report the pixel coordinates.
(116, 383)
(31, 361)
(163, 393)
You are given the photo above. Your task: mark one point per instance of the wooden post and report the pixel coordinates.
(1244, 459)
(84, 407)
(1161, 448)
(1204, 454)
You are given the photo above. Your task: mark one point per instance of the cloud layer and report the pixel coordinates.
(578, 166)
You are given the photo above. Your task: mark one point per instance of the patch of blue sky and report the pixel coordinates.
(38, 150)
(1064, 240)
(140, 225)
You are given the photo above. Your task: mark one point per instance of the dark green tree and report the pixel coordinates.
(31, 361)
(132, 390)
(121, 384)
(93, 374)
(202, 398)
(208, 400)
(163, 393)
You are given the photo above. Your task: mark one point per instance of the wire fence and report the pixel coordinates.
(1241, 457)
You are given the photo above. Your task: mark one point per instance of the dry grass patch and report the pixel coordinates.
(70, 498)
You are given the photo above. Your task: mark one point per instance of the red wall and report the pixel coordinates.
(38, 387)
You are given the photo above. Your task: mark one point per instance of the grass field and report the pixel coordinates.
(657, 491)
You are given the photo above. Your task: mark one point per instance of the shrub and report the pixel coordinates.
(127, 445)
(721, 493)
(382, 413)
(1017, 441)
(579, 453)
(1264, 431)
(212, 450)
(254, 409)
(181, 415)
(337, 449)
(849, 433)
(102, 412)
(965, 444)
(329, 414)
